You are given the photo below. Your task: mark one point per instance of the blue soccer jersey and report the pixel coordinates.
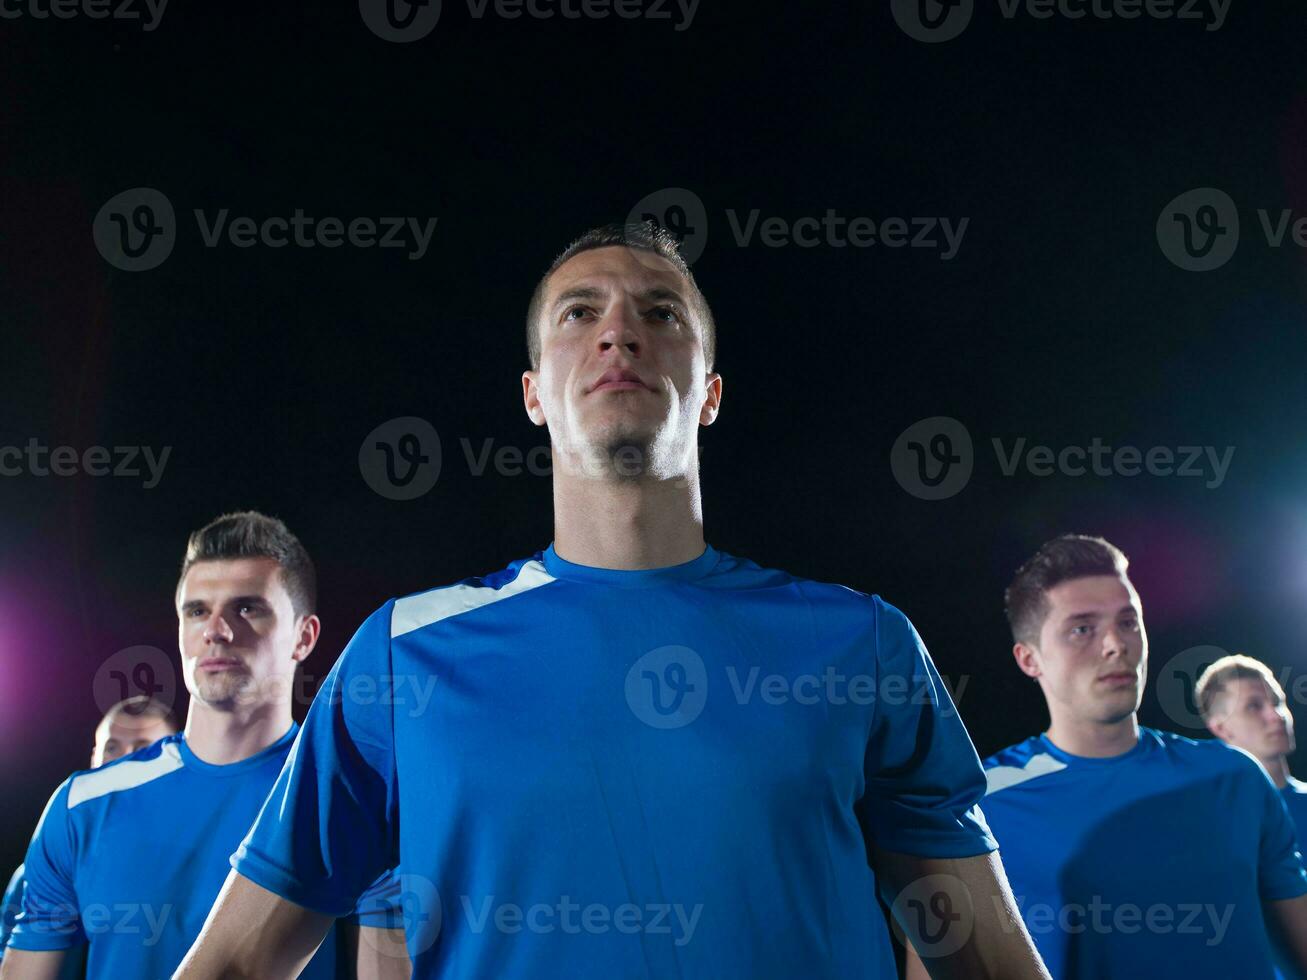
(1295, 798)
(587, 772)
(1153, 863)
(130, 857)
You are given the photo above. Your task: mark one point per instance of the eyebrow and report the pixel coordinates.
(1093, 615)
(237, 600)
(652, 294)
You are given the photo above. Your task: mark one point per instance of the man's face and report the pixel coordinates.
(1092, 655)
(122, 733)
(239, 636)
(621, 364)
(1249, 713)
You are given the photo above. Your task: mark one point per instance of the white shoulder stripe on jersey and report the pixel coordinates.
(1001, 777)
(417, 611)
(125, 775)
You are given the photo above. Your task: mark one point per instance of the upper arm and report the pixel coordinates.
(252, 932)
(923, 778)
(328, 828)
(26, 964)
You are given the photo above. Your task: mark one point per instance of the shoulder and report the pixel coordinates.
(130, 772)
(1027, 763)
(419, 610)
(1210, 759)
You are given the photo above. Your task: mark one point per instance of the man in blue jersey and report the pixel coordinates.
(1132, 852)
(644, 757)
(129, 725)
(1243, 705)
(129, 857)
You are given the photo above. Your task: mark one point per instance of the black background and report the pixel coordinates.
(1058, 321)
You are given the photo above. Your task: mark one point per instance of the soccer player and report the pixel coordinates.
(129, 857)
(127, 726)
(1243, 705)
(644, 757)
(1132, 852)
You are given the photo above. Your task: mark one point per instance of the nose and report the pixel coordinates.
(621, 329)
(216, 630)
(1114, 642)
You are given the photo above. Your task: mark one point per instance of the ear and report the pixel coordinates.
(310, 627)
(1219, 729)
(1027, 658)
(713, 401)
(531, 396)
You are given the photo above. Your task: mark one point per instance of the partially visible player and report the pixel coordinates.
(127, 726)
(1243, 705)
(129, 857)
(1132, 852)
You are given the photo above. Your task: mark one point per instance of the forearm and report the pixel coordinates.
(252, 934)
(960, 915)
(24, 964)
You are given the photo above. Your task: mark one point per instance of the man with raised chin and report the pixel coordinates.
(585, 796)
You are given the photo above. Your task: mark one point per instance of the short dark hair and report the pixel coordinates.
(249, 534)
(1066, 557)
(646, 236)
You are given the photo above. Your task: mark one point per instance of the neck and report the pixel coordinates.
(628, 524)
(1277, 767)
(1094, 739)
(220, 737)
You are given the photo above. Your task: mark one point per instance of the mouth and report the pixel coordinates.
(1120, 679)
(619, 379)
(216, 664)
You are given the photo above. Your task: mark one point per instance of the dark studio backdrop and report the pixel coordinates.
(1070, 310)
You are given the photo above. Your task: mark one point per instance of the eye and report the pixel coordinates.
(1130, 624)
(568, 315)
(667, 314)
(1081, 630)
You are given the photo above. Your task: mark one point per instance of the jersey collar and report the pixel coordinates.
(637, 578)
